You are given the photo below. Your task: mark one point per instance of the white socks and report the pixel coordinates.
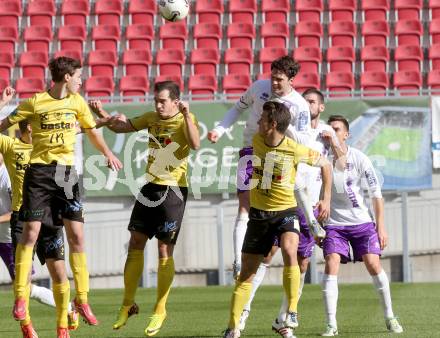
(256, 282)
(284, 305)
(44, 296)
(304, 201)
(330, 294)
(238, 235)
(382, 286)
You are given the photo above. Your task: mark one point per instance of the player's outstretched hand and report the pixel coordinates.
(324, 210)
(184, 107)
(113, 162)
(383, 238)
(8, 94)
(213, 136)
(95, 106)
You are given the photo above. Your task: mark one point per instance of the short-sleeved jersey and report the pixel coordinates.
(53, 124)
(275, 171)
(348, 204)
(16, 155)
(168, 148)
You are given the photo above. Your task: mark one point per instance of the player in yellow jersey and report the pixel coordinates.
(272, 211)
(50, 177)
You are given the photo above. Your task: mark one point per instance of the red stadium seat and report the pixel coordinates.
(375, 33)
(207, 35)
(267, 55)
(434, 31)
(275, 34)
(75, 12)
(374, 83)
(106, 37)
(103, 62)
(341, 58)
(137, 61)
(170, 61)
(34, 64)
(375, 58)
(4, 82)
(28, 86)
(239, 60)
(203, 85)
(309, 10)
(408, 32)
(10, 12)
(342, 33)
(434, 56)
(408, 57)
(342, 10)
(243, 10)
(72, 37)
(41, 13)
(99, 86)
(140, 36)
(209, 11)
(175, 78)
(8, 37)
(74, 54)
(308, 34)
(434, 80)
(38, 38)
(241, 35)
(340, 84)
(376, 10)
(304, 81)
(275, 10)
(205, 61)
(234, 85)
(434, 9)
(142, 11)
(309, 58)
(134, 85)
(109, 12)
(173, 35)
(6, 65)
(264, 76)
(408, 9)
(409, 82)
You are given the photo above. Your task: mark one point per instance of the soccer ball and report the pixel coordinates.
(173, 10)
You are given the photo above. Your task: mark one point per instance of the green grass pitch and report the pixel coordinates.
(203, 312)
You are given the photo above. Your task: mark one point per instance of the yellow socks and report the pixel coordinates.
(132, 273)
(291, 281)
(165, 276)
(23, 264)
(78, 264)
(61, 294)
(27, 320)
(240, 297)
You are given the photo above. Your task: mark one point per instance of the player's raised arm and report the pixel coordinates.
(192, 131)
(120, 124)
(7, 95)
(326, 189)
(99, 143)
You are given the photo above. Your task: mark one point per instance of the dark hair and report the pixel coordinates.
(61, 66)
(22, 125)
(286, 65)
(339, 118)
(316, 92)
(279, 113)
(172, 87)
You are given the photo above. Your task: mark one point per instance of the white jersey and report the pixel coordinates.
(348, 204)
(254, 98)
(5, 204)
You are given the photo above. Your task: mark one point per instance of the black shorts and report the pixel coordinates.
(264, 226)
(158, 211)
(48, 184)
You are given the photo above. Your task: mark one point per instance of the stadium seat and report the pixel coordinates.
(8, 37)
(99, 86)
(177, 78)
(309, 10)
(75, 12)
(341, 58)
(376, 10)
(33, 64)
(309, 58)
(234, 85)
(434, 80)
(134, 85)
(209, 11)
(342, 10)
(375, 33)
(136, 61)
(267, 55)
(10, 12)
(374, 83)
(72, 37)
(275, 34)
(264, 76)
(241, 35)
(408, 57)
(207, 35)
(239, 60)
(203, 85)
(434, 57)
(308, 33)
(375, 58)
(205, 61)
(103, 62)
(342, 33)
(106, 37)
(28, 86)
(41, 13)
(142, 11)
(109, 12)
(275, 10)
(139, 36)
(408, 9)
(170, 61)
(340, 84)
(4, 82)
(408, 32)
(304, 81)
(434, 9)
(410, 82)
(173, 35)
(71, 53)
(38, 38)
(434, 31)
(6, 65)
(242, 10)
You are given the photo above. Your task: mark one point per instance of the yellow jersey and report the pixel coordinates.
(53, 124)
(167, 146)
(16, 155)
(274, 172)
